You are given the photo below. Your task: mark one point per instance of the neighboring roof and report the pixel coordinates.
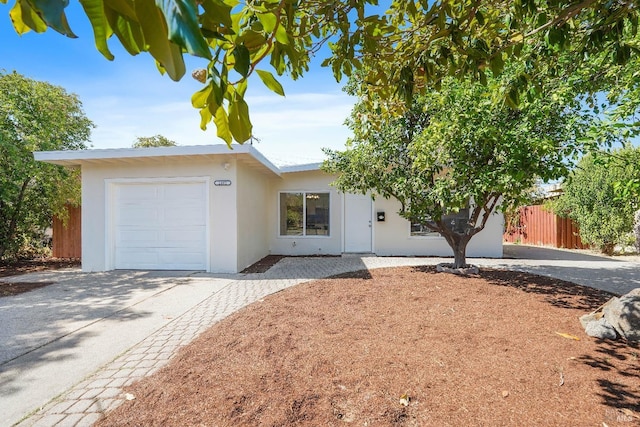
(79, 157)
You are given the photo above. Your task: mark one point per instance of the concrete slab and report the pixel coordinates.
(55, 336)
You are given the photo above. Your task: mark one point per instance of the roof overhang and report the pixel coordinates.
(301, 168)
(244, 153)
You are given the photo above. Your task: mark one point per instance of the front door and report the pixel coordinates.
(357, 223)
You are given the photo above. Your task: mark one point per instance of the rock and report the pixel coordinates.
(600, 328)
(618, 317)
(465, 271)
(591, 317)
(624, 315)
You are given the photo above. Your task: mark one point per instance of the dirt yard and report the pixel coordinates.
(399, 347)
(15, 268)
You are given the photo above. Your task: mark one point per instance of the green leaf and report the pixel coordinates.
(154, 29)
(199, 99)
(205, 118)
(128, 31)
(24, 18)
(242, 60)
(221, 121)
(252, 40)
(101, 29)
(52, 12)
(239, 123)
(216, 13)
(281, 35)
(270, 82)
(268, 21)
(184, 29)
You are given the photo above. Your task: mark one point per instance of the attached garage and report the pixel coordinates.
(159, 225)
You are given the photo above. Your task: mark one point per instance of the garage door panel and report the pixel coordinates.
(161, 226)
(184, 215)
(136, 193)
(171, 257)
(138, 215)
(137, 238)
(184, 191)
(195, 236)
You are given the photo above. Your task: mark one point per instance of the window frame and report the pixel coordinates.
(304, 234)
(435, 234)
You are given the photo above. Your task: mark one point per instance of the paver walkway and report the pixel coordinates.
(83, 403)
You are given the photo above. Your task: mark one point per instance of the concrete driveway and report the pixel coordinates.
(53, 337)
(76, 338)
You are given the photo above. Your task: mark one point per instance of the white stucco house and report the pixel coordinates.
(220, 210)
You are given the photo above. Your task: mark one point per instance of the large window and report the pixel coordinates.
(457, 221)
(304, 214)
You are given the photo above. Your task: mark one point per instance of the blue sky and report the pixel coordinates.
(128, 97)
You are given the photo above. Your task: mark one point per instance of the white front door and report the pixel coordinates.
(357, 223)
(160, 226)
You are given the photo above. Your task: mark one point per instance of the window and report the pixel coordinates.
(304, 214)
(458, 221)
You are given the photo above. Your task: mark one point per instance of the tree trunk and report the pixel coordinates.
(460, 253)
(458, 243)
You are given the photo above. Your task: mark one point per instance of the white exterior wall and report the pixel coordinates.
(393, 236)
(222, 203)
(309, 181)
(254, 193)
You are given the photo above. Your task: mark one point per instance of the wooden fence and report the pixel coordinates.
(67, 240)
(536, 226)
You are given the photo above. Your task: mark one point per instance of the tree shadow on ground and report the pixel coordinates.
(617, 359)
(556, 292)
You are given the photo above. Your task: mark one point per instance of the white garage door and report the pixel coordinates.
(160, 226)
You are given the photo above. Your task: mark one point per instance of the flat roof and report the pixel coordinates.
(79, 157)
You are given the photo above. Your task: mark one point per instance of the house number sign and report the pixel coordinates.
(222, 182)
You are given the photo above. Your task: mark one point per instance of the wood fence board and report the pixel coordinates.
(537, 226)
(67, 238)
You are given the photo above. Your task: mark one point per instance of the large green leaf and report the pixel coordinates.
(221, 120)
(199, 99)
(128, 31)
(101, 29)
(205, 118)
(154, 28)
(216, 13)
(24, 18)
(184, 30)
(52, 12)
(242, 60)
(123, 7)
(270, 82)
(239, 122)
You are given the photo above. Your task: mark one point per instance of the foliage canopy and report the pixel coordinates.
(404, 49)
(153, 141)
(35, 116)
(456, 148)
(596, 198)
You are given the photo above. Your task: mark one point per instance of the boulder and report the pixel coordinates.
(600, 328)
(618, 317)
(624, 315)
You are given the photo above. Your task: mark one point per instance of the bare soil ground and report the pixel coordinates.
(399, 347)
(14, 268)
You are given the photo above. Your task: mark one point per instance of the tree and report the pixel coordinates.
(35, 116)
(153, 141)
(456, 149)
(410, 47)
(593, 197)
